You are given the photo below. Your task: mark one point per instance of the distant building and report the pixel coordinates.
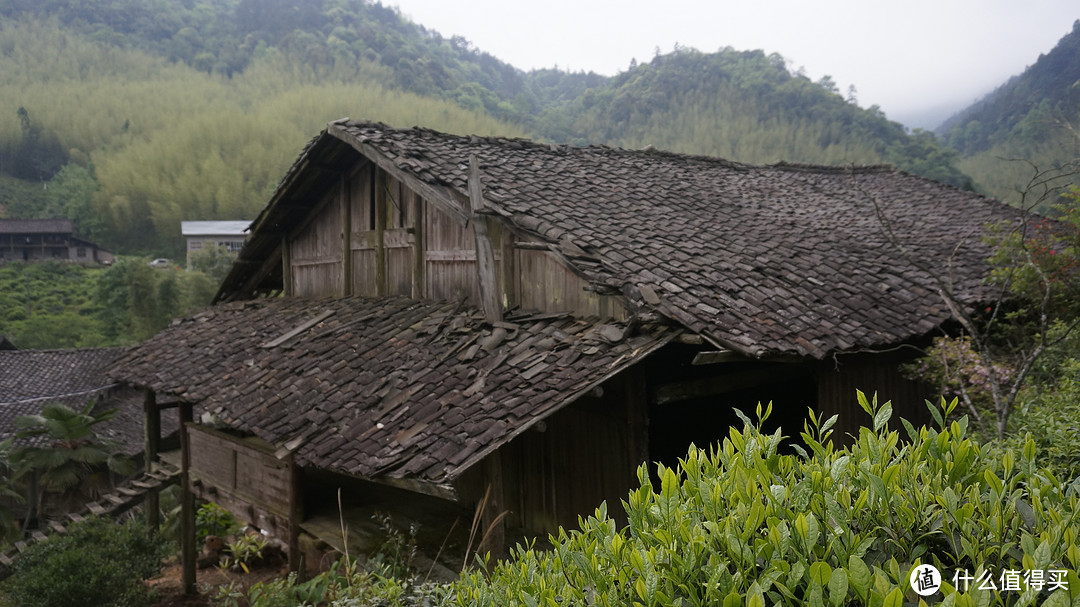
(45, 239)
(201, 235)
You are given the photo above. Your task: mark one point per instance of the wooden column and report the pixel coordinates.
(485, 253)
(379, 179)
(286, 268)
(346, 239)
(296, 516)
(492, 521)
(419, 249)
(151, 443)
(188, 550)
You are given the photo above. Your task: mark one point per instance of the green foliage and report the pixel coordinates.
(1051, 410)
(243, 551)
(211, 519)
(344, 585)
(49, 305)
(745, 524)
(71, 449)
(97, 563)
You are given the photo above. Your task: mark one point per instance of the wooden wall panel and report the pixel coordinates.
(450, 258)
(316, 251)
(587, 453)
(549, 286)
(839, 379)
(240, 469)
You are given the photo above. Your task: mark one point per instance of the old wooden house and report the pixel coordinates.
(47, 239)
(469, 320)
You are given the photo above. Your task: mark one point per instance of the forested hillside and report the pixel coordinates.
(1033, 118)
(131, 115)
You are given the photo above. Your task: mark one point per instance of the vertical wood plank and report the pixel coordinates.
(188, 552)
(286, 268)
(296, 516)
(419, 246)
(494, 525)
(346, 238)
(151, 444)
(485, 253)
(380, 227)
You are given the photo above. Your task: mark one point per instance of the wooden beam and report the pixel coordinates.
(287, 286)
(723, 384)
(188, 551)
(296, 516)
(380, 179)
(718, 356)
(492, 521)
(419, 243)
(485, 252)
(151, 444)
(346, 239)
(304, 326)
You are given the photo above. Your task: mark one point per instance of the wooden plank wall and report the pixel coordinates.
(549, 286)
(315, 251)
(384, 221)
(838, 381)
(586, 453)
(246, 473)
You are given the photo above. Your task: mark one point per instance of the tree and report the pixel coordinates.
(1036, 277)
(57, 450)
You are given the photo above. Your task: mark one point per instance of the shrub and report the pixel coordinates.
(97, 563)
(745, 524)
(211, 519)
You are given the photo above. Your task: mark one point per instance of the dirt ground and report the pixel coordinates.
(207, 581)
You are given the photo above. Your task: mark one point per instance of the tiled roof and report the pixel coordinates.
(36, 226)
(30, 379)
(766, 260)
(388, 387)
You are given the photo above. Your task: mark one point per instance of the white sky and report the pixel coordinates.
(920, 60)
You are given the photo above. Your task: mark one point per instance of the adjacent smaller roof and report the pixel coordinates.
(36, 226)
(214, 228)
(30, 379)
(383, 388)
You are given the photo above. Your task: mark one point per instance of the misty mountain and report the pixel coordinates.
(156, 111)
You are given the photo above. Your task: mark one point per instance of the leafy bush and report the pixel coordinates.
(1054, 410)
(211, 519)
(745, 524)
(97, 563)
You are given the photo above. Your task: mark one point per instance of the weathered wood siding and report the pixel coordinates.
(316, 251)
(549, 286)
(586, 453)
(839, 379)
(386, 222)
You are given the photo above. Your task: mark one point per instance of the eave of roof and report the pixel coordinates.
(387, 388)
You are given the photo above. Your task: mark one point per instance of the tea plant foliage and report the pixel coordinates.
(746, 524)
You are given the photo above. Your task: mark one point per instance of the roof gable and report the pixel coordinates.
(766, 260)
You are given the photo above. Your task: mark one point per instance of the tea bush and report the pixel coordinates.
(743, 524)
(97, 563)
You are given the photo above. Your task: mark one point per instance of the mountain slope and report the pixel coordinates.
(1033, 120)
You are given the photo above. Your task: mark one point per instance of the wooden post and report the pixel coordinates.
(493, 525)
(379, 178)
(419, 249)
(286, 268)
(485, 253)
(296, 516)
(346, 239)
(188, 551)
(151, 442)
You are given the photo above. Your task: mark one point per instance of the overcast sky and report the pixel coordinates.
(920, 60)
